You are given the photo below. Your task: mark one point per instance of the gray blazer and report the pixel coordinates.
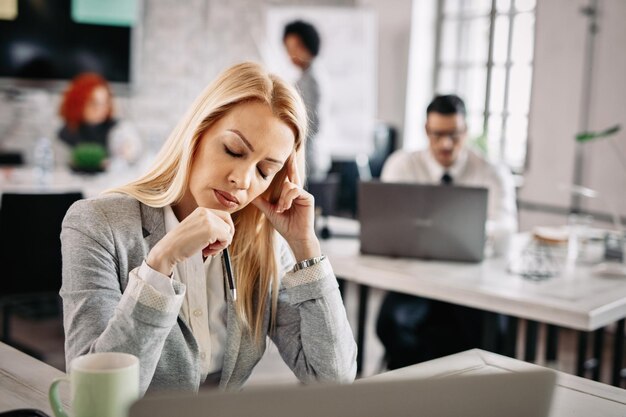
(103, 239)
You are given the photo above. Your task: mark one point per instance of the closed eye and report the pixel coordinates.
(263, 175)
(231, 153)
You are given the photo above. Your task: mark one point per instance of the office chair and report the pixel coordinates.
(362, 168)
(30, 251)
(11, 159)
(384, 145)
(325, 192)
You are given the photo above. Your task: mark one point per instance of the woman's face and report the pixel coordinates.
(98, 106)
(237, 159)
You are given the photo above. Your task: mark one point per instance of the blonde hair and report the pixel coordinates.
(252, 249)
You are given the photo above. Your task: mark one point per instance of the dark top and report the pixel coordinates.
(88, 134)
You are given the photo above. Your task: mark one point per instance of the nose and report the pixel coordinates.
(446, 142)
(241, 176)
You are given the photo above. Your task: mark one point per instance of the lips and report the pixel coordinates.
(226, 199)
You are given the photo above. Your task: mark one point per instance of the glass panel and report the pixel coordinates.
(524, 5)
(523, 38)
(496, 100)
(516, 135)
(449, 40)
(475, 132)
(500, 39)
(494, 133)
(475, 41)
(474, 88)
(452, 6)
(503, 6)
(477, 7)
(445, 83)
(519, 89)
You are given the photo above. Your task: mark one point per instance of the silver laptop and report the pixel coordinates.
(422, 221)
(524, 394)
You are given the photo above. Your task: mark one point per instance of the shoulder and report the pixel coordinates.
(497, 172)
(110, 209)
(401, 163)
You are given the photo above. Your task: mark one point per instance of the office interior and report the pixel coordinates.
(526, 114)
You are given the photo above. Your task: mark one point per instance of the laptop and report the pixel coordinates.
(422, 221)
(523, 394)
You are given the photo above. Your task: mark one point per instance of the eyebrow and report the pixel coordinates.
(249, 145)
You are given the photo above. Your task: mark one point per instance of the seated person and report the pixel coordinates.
(415, 329)
(144, 270)
(87, 113)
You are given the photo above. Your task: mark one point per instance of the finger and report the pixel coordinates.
(226, 216)
(293, 174)
(290, 192)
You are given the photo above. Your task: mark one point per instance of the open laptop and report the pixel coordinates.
(524, 394)
(422, 221)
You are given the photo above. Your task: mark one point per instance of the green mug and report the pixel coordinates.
(102, 385)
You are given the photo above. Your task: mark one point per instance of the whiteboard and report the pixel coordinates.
(347, 63)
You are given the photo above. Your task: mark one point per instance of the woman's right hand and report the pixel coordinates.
(204, 229)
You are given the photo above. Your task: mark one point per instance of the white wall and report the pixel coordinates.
(555, 113)
(394, 31)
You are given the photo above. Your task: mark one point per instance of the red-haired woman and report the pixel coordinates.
(87, 112)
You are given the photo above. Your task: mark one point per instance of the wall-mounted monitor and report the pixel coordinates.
(42, 42)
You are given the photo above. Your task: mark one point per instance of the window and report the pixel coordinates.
(484, 54)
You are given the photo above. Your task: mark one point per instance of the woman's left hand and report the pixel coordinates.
(293, 216)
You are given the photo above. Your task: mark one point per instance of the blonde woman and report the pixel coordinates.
(143, 265)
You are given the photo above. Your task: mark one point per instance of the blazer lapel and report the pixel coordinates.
(152, 225)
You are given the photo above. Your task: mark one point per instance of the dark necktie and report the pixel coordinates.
(446, 179)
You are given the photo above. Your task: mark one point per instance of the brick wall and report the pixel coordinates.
(180, 47)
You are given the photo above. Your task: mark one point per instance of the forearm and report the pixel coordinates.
(313, 314)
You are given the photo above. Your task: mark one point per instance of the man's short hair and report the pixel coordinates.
(307, 33)
(447, 104)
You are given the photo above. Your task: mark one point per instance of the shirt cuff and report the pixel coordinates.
(144, 293)
(162, 283)
(307, 275)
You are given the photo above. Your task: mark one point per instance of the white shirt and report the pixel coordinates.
(204, 305)
(469, 169)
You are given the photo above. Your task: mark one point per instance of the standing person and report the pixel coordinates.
(88, 117)
(302, 42)
(415, 329)
(144, 266)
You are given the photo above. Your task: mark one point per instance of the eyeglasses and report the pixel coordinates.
(438, 135)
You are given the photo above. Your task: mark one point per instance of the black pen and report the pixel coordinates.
(229, 274)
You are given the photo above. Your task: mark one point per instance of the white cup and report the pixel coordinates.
(102, 385)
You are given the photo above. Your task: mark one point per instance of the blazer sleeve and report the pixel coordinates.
(97, 315)
(312, 332)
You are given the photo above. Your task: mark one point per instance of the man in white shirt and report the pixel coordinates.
(415, 329)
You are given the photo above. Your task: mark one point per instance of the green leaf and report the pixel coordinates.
(589, 136)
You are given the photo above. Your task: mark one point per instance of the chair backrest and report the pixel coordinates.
(11, 159)
(325, 192)
(384, 145)
(30, 245)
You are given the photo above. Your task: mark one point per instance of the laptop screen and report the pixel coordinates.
(423, 221)
(520, 394)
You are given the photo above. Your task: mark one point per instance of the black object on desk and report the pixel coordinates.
(24, 412)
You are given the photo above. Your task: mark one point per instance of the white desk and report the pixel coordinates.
(23, 180)
(24, 381)
(573, 396)
(576, 299)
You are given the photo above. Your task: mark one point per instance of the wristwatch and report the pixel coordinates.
(308, 262)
